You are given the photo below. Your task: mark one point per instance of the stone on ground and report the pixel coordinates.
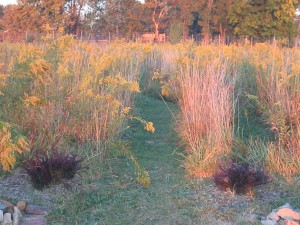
(7, 219)
(268, 222)
(21, 205)
(1, 216)
(273, 216)
(17, 216)
(290, 222)
(288, 213)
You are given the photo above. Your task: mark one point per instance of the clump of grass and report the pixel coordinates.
(282, 162)
(206, 115)
(239, 178)
(251, 151)
(278, 84)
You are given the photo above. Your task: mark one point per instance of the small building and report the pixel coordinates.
(150, 37)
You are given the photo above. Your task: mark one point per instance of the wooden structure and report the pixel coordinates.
(150, 37)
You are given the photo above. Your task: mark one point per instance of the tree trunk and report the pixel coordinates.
(298, 32)
(207, 31)
(222, 35)
(156, 32)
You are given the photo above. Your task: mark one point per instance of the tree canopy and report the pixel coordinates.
(261, 19)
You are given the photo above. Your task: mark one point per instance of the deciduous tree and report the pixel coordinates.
(158, 10)
(263, 18)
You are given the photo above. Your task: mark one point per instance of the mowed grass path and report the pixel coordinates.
(170, 199)
(118, 199)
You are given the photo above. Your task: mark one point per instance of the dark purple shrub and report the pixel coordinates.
(39, 172)
(239, 178)
(44, 170)
(63, 166)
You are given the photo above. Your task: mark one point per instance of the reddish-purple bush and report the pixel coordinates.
(44, 170)
(239, 178)
(63, 166)
(39, 172)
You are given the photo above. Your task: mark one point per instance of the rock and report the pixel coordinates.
(288, 213)
(21, 205)
(7, 219)
(268, 222)
(3, 207)
(286, 205)
(34, 220)
(1, 216)
(17, 216)
(273, 216)
(37, 210)
(288, 222)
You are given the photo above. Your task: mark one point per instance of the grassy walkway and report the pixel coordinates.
(117, 199)
(170, 198)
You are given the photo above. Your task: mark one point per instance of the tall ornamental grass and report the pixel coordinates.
(278, 92)
(206, 114)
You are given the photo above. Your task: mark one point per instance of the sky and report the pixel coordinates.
(6, 2)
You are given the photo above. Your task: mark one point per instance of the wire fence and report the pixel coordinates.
(106, 38)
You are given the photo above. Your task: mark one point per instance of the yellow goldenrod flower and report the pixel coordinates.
(126, 110)
(149, 127)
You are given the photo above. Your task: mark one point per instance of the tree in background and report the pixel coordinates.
(183, 16)
(213, 18)
(157, 10)
(206, 9)
(122, 17)
(34, 15)
(263, 19)
(92, 17)
(73, 10)
(220, 23)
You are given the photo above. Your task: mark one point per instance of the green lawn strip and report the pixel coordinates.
(170, 198)
(117, 199)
